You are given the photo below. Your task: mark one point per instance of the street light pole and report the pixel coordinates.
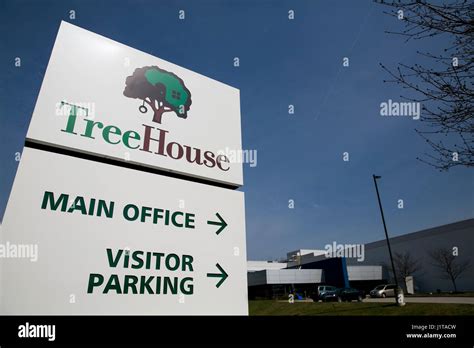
(388, 241)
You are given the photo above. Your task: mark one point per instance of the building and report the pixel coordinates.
(304, 269)
(457, 237)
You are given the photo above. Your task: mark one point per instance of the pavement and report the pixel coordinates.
(411, 299)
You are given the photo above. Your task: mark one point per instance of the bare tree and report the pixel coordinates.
(448, 265)
(444, 82)
(405, 265)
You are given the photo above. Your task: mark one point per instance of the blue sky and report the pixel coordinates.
(282, 62)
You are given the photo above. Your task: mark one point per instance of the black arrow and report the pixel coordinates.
(223, 275)
(220, 223)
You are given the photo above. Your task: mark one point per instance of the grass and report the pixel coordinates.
(443, 294)
(269, 307)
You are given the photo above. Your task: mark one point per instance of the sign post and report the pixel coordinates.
(120, 188)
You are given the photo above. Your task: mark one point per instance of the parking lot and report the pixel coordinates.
(444, 299)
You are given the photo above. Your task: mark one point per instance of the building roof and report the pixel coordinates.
(448, 228)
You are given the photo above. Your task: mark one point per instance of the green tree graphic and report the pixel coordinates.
(162, 90)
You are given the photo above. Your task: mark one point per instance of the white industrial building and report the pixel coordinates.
(457, 237)
(306, 268)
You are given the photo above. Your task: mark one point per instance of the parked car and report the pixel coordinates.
(351, 294)
(386, 290)
(321, 290)
(330, 296)
(343, 294)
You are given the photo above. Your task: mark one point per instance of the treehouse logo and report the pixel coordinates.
(161, 90)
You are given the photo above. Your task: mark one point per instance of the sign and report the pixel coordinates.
(113, 240)
(106, 99)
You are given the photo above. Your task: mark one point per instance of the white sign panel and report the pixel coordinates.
(81, 237)
(103, 98)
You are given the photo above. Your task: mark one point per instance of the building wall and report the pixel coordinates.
(285, 276)
(357, 273)
(374, 269)
(279, 283)
(296, 254)
(418, 245)
(335, 272)
(253, 266)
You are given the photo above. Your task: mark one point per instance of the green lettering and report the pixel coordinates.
(111, 130)
(173, 218)
(48, 197)
(136, 257)
(102, 207)
(187, 262)
(169, 285)
(113, 285)
(131, 135)
(130, 282)
(189, 222)
(78, 204)
(146, 284)
(94, 280)
(168, 262)
(91, 207)
(146, 212)
(71, 120)
(89, 128)
(189, 289)
(126, 214)
(112, 262)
